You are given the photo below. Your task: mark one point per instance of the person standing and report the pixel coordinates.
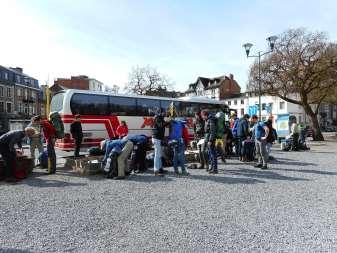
(199, 135)
(261, 135)
(177, 144)
(242, 134)
(77, 133)
(49, 133)
(8, 152)
(35, 140)
(122, 130)
(158, 133)
(210, 135)
(272, 136)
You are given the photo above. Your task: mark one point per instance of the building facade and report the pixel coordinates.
(217, 88)
(81, 82)
(19, 98)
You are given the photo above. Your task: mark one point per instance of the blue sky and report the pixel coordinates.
(182, 39)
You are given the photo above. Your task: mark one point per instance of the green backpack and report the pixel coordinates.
(220, 124)
(57, 122)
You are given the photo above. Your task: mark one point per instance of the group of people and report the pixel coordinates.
(214, 137)
(247, 136)
(37, 128)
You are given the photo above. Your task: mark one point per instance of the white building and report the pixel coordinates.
(95, 85)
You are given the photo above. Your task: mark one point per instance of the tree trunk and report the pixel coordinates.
(318, 136)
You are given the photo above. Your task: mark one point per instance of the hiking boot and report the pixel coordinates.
(11, 180)
(259, 165)
(213, 172)
(158, 174)
(264, 167)
(185, 173)
(119, 178)
(162, 171)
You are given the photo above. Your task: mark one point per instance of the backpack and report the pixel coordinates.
(235, 128)
(220, 124)
(57, 122)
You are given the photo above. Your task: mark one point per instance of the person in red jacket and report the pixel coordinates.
(122, 130)
(49, 133)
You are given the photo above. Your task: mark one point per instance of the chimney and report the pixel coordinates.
(231, 76)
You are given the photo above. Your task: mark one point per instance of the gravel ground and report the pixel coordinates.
(289, 208)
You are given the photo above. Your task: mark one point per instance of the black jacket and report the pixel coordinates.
(210, 129)
(243, 130)
(76, 130)
(9, 139)
(199, 128)
(158, 130)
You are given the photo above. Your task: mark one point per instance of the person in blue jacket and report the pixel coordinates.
(176, 142)
(123, 148)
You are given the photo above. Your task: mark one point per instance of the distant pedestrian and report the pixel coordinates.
(272, 136)
(261, 135)
(36, 140)
(210, 136)
(242, 134)
(177, 144)
(122, 130)
(8, 151)
(77, 133)
(158, 133)
(199, 135)
(49, 133)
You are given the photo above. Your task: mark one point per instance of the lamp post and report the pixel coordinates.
(271, 41)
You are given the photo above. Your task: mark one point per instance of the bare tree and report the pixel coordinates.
(301, 70)
(146, 81)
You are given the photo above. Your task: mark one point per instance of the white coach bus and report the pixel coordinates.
(101, 113)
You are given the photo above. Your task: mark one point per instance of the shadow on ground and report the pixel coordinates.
(266, 174)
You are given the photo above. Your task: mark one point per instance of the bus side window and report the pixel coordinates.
(147, 107)
(87, 104)
(122, 106)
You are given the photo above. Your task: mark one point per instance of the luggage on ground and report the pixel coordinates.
(248, 148)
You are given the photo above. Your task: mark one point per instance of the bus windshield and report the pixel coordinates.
(57, 102)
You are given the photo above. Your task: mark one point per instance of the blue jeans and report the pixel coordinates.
(213, 161)
(179, 155)
(157, 154)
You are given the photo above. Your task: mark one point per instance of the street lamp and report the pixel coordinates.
(271, 41)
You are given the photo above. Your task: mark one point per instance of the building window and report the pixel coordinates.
(18, 79)
(20, 107)
(9, 107)
(264, 106)
(33, 95)
(26, 93)
(9, 93)
(242, 111)
(33, 108)
(282, 105)
(229, 102)
(1, 91)
(235, 102)
(6, 76)
(2, 109)
(19, 92)
(26, 109)
(242, 101)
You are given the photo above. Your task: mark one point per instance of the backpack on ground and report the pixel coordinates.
(57, 122)
(248, 149)
(43, 159)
